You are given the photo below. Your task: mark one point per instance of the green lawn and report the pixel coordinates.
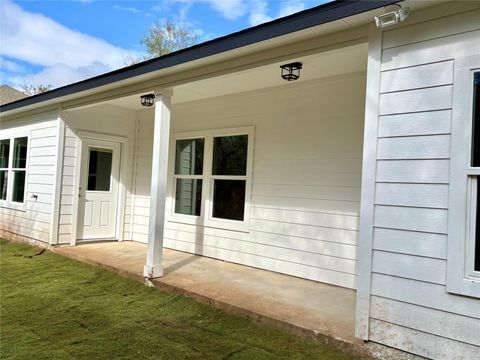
(53, 307)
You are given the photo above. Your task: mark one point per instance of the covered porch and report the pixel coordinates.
(303, 307)
(286, 200)
(276, 226)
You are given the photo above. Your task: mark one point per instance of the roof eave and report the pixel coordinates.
(312, 17)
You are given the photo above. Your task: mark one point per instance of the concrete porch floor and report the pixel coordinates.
(319, 311)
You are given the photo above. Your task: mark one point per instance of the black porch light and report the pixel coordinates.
(147, 100)
(291, 72)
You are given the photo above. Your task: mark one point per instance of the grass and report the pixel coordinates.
(53, 307)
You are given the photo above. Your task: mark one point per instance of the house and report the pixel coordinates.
(361, 174)
(9, 94)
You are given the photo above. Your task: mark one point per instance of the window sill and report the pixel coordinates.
(464, 287)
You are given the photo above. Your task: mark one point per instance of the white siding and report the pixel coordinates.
(141, 180)
(105, 119)
(35, 221)
(410, 307)
(306, 178)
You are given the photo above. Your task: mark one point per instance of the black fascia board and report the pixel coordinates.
(302, 20)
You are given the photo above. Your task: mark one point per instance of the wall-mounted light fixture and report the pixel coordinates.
(147, 100)
(392, 17)
(291, 72)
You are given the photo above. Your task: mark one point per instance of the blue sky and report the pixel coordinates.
(61, 42)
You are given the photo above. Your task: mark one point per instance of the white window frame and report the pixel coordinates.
(8, 203)
(205, 218)
(461, 277)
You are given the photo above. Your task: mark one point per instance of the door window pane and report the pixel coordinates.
(18, 191)
(230, 155)
(4, 152)
(476, 121)
(229, 199)
(99, 170)
(20, 153)
(189, 157)
(3, 184)
(188, 196)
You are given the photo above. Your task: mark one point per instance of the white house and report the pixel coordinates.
(362, 173)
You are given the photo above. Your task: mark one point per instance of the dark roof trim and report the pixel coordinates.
(308, 18)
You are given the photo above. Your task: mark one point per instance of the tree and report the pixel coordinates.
(162, 38)
(35, 89)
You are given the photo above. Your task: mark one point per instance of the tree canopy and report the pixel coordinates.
(162, 38)
(35, 89)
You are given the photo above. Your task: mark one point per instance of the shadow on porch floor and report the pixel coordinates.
(323, 312)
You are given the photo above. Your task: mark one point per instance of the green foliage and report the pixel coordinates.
(162, 38)
(52, 307)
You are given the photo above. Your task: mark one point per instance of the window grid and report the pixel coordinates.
(208, 181)
(197, 180)
(10, 194)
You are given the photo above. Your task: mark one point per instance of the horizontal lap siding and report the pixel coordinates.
(104, 119)
(140, 200)
(305, 185)
(36, 220)
(410, 307)
(421, 343)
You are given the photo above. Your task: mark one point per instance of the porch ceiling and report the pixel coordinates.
(339, 61)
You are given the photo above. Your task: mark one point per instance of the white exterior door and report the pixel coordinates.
(100, 171)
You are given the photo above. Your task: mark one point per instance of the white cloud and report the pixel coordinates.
(290, 7)
(46, 42)
(228, 9)
(12, 66)
(183, 12)
(60, 74)
(129, 9)
(39, 40)
(258, 12)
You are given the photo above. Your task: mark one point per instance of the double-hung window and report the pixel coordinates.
(13, 171)
(189, 154)
(212, 178)
(463, 257)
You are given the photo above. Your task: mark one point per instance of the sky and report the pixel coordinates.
(61, 42)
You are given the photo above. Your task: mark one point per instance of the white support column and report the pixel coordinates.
(161, 136)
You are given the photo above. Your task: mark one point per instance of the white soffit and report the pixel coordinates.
(340, 61)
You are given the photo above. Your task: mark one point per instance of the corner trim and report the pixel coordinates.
(367, 207)
(58, 180)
